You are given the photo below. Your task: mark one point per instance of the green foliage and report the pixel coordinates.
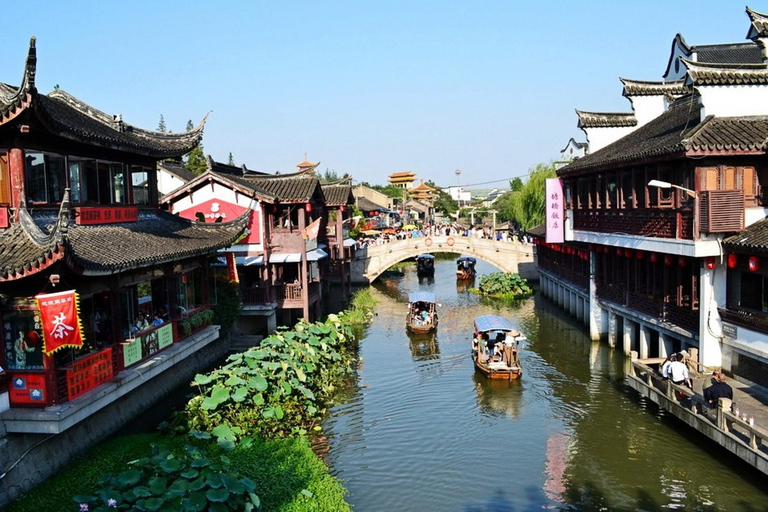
(161, 124)
(391, 191)
(525, 204)
(174, 480)
(279, 388)
(506, 285)
(289, 476)
(516, 185)
(445, 203)
(195, 321)
(195, 159)
(231, 159)
(354, 232)
(81, 476)
(228, 304)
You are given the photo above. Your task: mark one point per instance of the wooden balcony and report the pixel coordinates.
(291, 295)
(255, 296)
(653, 222)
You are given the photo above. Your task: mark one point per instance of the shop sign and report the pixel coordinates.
(730, 331)
(131, 352)
(4, 217)
(87, 373)
(105, 214)
(554, 211)
(28, 388)
(164, 336)
(61, 321)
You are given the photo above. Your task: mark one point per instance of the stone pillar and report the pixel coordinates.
(712, 286)
(574, 300)
(628, 335)
(595, 311)
(613, 325)
(272, 322)
(645, 342)
(666, 345)
(579, 307)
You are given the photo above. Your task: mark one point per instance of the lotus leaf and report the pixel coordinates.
(286, 387)
(129, 478)
(200, 463)
(170, 465)
(202, 380)
(153, 503)
(195, 503)
(234, 380)
(233, 484)
(189, 473)
(258, 383)
(240, 394)
(214, 480)
(218, 395)
(197, 484)
(179, 488)
(157, 484)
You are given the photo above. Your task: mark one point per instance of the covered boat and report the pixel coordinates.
(465, 267)
(495, 349)
(422, 312)
(425, 265)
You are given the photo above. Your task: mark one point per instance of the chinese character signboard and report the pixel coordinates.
(106, 214)
(87, 373)
(554, 211)
(164, 336)
(61, 322)
(28, 389)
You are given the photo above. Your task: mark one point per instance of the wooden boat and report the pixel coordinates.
(422, 313)
(465, 268)
(425, 265)
(494, 362)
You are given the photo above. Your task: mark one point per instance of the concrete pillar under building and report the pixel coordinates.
(645, 342)
(628, 335)
(613, 327)
(595, 315)
(666, 344)
(573, 300)
(580, 308)
(712, 286)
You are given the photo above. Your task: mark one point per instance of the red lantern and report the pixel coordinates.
(682, 261)
(654, 257)
(342, 208)
(639, 254)
(710, 262)
(308, 207)
(754, 263)
(732, 261)
(628, 253)
(619, 252)
(668, 260)
(591, 248)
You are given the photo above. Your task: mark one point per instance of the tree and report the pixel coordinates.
(445, 203)
(328, 176)
(161, 124)
(195, 159)
(516, 185)
(231, 159)
(529, 208)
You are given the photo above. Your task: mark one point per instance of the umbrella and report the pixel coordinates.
(409, 226)
(390, 231)
(370, 232)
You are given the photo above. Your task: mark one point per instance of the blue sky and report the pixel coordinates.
(366, 88)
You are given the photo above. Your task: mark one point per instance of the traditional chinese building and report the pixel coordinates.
(292, 230)
(664, 230)
(402, 179)
(80, 226)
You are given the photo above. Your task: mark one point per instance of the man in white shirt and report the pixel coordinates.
(677, 372)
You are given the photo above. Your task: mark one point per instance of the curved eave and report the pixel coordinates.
(11, 105)
(43, 262)
(759, 24)
(612, 164)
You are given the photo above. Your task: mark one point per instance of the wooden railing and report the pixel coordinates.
(655, 222)
(255, 295)
(751, 437)
(745, 318)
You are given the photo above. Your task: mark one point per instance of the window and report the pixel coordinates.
(22, 334)
(189, 292)
(44, 178)
(140, 185)
(611, 191)
(95, 182)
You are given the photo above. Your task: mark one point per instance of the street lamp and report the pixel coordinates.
(664, 184)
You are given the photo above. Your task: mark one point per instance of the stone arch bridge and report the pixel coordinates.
(372, 261)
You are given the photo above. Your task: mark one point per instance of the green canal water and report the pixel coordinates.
(422, 432)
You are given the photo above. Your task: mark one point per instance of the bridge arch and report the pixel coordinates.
(371, 262)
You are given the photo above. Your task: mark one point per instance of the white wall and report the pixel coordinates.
(647, 108)
(734, 100)
(598, 138)
(167, 182)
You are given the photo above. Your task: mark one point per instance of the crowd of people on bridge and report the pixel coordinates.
(375, 237)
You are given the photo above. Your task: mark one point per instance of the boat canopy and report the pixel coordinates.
(487, 323)
(421, 297)
(425, 256)
(470, 259)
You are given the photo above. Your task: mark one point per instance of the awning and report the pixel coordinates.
(295, 257)
(349, 242)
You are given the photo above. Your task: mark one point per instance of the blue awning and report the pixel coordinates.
(295, 257)
(467, 258)
(421, 297)
(492, 323)
(425, 257)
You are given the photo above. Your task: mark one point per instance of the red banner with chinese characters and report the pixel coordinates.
(554, 211)
(87, 373)
(61, 321)
(105, 214)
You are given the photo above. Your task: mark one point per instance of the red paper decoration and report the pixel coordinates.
(732, 261)
(754, 263)
(710, 262)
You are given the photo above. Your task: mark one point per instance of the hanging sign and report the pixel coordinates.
(61, 321)
(87, 373)
(554, 211)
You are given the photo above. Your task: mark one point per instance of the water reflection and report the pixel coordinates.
(422, 431)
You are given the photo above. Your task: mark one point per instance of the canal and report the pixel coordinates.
(422, 432)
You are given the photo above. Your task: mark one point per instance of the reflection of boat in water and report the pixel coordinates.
(423, 346)
(425, 265)
(422, 312)
(495, 349)
(465, 268)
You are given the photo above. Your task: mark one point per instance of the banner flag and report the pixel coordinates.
(555, 212)
(232, 274)
(312, 230)
(60, 315)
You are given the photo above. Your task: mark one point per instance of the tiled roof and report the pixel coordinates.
(661, 136)
(337, 194)
(402, 175)
(540, 230)
(243, 185)
(25, 249)
(641, 88)
(680, 131)
(422, 187)
(759, 27)
(288, 188)
(733, 53)
(177, 169)
(66, 116)
(726, 74)
(605, 120)
(156, 237)
(753, 238)
(367, 205)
